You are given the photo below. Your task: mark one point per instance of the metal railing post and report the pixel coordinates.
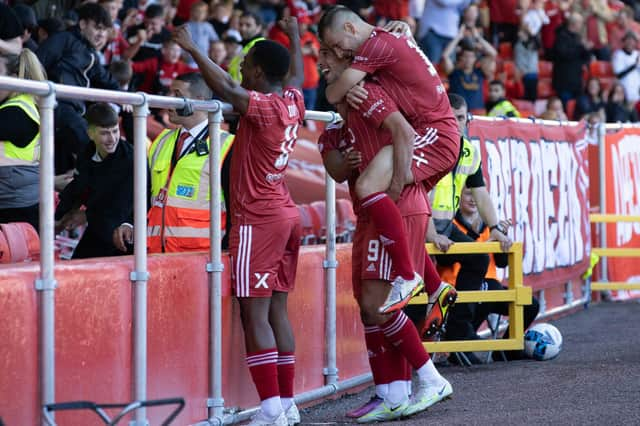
(46, 283)
(214, 268)
(140, 276)
(330, 264)
(604, 271)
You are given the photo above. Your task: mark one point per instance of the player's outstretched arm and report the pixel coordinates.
(295, 77)
(218, 79)
(336, 92)
(403, 137)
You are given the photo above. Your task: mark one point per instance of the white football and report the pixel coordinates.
(542, 342)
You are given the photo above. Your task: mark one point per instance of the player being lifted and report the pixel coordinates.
(265, 232)
(406, 74)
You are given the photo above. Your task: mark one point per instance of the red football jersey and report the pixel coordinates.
(266, 137)
(397, 64)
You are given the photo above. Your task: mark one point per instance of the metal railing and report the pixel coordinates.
(517, 296)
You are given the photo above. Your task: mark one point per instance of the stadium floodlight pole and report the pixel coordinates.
(46, 284)
(330, 265)
(215, 267)
(140, 276)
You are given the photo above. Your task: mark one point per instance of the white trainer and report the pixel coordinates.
(427, 395)
(293, 415)
(261, 419)
(401, 292)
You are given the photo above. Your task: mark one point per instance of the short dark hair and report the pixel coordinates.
(96, 13)
(272, 58)
(101, 114)
(154, 11)
(456, 101)
(496, 83)
(332, 16)
(197, 86)
(255, 17)
(51, 25)
(121, 71)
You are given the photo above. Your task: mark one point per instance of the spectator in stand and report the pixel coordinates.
(27, 18)
(598, 14)
(150, 41)
(218, 53)
(19, 142)
(47, 27)
(570, 54)
(591, 101)
(618, 108)
(71, 57)
(468, 221)
(202, 31)
(471, 20)
(557, 11)
(117, 47)
(465, 79)
(251, 32)
(391, 10)
(527, 45)
(497, 105)
(233, 44)
(184, 10)
(626, 66)
(158, 73)
(624, 22)
(504, 21)
(11, 31)
(103, 183)
(554, 110)
(438, 26)
(220, 16)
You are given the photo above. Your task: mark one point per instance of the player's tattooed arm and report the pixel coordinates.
(336, 92)
(217, 79)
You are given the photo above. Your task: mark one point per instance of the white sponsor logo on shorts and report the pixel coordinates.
(262, 280)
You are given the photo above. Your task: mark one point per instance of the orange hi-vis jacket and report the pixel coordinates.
(450, 273)
(178, 219)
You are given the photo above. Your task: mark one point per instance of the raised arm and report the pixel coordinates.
(295, 77)
(217, 79)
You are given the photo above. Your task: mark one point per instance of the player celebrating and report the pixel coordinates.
(412, 82)
(265, 232)
(368, 130)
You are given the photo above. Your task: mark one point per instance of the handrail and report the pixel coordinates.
(517, 296)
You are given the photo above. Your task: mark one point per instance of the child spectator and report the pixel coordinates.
(220, 17)
(218, 53)
(555, 110)
(155, 34)
(117, 47)
(158, 73)
(591, 101)
(618, 110)
(202, 31)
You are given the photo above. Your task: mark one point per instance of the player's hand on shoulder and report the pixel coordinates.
(290, 26)
(182, 36)
(398, 27)
(353, 159)
(357, 95)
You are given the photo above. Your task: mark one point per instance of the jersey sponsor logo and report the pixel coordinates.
(262, 280)
(360, 58)
(370, 111)
(185, 191)
(273, 177)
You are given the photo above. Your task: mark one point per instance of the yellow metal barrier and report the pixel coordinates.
(614, 252)
(517, 296)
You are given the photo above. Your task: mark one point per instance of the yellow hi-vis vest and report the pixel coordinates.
(446, 198)
(234, 64)
(503, 109)
(181, 221)
(11, 155)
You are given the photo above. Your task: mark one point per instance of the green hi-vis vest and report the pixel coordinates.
(446, 198)
(504, 108)
(11, 155)
(234, 65)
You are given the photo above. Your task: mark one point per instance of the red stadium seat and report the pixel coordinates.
(505, 51)
(345, 220)
(605, 84)
(19, 242)
(601, 69)
(307, 224)
(571, 108)
(525, 108)
(545, 69)
(318, 213)
(545, 88)
(508, 68)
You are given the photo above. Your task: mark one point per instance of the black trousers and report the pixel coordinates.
(22, 214)
(92, 245)
(473, 268)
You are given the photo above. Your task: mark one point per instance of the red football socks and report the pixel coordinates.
(385, 215)
(431, 277)
(402, 334)
(264, 372)
(286, 373)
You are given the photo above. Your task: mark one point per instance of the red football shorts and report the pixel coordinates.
(434, 155)
(264, 257)
(370, 260)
